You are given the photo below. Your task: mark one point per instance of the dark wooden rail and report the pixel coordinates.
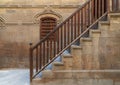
(67, 33)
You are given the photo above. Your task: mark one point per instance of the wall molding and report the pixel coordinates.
(39, 6)
(20, 23)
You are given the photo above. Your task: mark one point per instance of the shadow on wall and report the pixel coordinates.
(14, 55)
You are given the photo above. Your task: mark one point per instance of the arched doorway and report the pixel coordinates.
(47, 24)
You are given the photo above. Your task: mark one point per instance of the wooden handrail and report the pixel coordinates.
(66, 33)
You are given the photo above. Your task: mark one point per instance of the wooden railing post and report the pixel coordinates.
(108, 5)
(31, 61)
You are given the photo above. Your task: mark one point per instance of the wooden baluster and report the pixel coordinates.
(40, 55)
(88, 12)
(92, 11)
(43, 53)
(117, 4)
(47, 51)
(78, 23)
(81, 20)
(99, 8)
(37, 59)
(31, 62)
(113, 5)
(75, 26)
(68, 33)
(51, 49)
(72, 32)
(65, 32)
(58, 42)
(102, 6)
(96, 9)
(85, 24)
(61, 35)
(54, 47)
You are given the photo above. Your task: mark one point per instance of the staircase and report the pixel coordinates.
(85, 35)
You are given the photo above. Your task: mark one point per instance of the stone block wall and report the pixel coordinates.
(109, 44)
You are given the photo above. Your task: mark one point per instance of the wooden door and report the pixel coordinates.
(47, 24)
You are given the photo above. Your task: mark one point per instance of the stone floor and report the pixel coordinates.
(14, 77)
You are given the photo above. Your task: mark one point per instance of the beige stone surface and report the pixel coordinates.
(87, 56)
(109, 45)
(68, 61)
(77, 82)
(76, 51)
(95, 34)
(79, 77)
(58, 66)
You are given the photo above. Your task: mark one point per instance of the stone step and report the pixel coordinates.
(37, 81)
(114, 17)
(114, 14)
(47, 74)
(75, 47)
(105, 77)
(87, 74)
(66, 63)
(103, 25)
(87, 57)
(67, 59)
(73, 81)
(58, 66)
(85, 41)
(95, 33)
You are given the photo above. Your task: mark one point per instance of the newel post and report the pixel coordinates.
(31, 61)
